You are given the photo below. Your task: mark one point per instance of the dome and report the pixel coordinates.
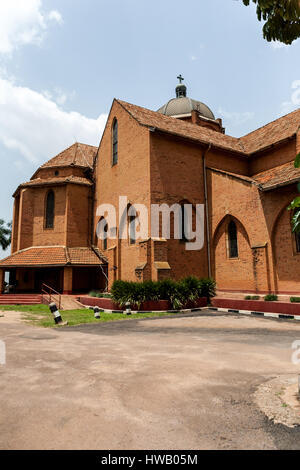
(183, 105)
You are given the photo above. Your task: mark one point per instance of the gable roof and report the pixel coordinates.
(279, 176)
(78, 154)
(174, 126)
(272, 133)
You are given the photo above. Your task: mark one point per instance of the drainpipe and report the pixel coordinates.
(207, 209)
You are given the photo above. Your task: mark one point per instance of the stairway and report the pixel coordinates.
(20, 299)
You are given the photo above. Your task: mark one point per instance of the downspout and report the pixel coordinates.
(207, 210)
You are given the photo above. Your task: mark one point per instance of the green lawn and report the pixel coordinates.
(40, 315)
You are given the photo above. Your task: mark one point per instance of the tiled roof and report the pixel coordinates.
(267, 135)
(77, 155)
(278, 176)
(53, 256)
(275, 131)
(181, 128)
(57, 181)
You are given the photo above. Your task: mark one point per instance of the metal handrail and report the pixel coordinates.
(50, 293)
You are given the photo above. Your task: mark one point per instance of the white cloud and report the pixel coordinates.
(23, 22)
(35, 126)
(294, 103)
(55, 16)
(235, 117)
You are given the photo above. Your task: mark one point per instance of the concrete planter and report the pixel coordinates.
(258, 306)
(150, 306)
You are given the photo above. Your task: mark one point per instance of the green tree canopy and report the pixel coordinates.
(5, 234)
(282, 19)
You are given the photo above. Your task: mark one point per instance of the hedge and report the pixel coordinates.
(178, 293)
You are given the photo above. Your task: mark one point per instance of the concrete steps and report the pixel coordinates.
(20, 299)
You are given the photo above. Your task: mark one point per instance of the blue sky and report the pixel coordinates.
(63, 61)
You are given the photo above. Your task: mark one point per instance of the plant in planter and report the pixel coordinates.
(178, 293)
(271, 298)
(295, 299)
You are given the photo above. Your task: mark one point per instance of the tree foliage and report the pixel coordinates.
(5, 234)
(295, 204)
(282, 19)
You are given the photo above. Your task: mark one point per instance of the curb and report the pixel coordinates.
(191, 310)
(281, 316)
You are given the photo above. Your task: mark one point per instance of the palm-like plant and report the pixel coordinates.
(5, 234)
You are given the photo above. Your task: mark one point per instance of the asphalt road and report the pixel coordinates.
(172, 383)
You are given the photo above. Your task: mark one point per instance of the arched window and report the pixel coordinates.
(131, 228)
(185, 225)
(101, 232)
(232, 240)
(115, 142)
(105, 237)
(49, 216)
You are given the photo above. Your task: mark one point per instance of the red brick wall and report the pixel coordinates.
(129, 177)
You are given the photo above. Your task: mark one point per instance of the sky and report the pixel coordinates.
(62, 62)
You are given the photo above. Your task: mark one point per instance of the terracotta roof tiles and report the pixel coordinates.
(276, 131)
(54, 256)
(278, 176)
(76, 155)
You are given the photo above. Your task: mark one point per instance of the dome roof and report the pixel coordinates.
(182, 105)
(185, 105)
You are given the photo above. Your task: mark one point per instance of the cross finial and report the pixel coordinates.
(180, 78)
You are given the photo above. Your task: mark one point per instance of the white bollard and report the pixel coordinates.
(97, 313)
(128, 308)
(299, 385)
(56, 314)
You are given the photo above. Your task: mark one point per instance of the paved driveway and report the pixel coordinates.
(180, 383)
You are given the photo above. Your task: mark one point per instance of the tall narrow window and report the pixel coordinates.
(105, 237)
(49, 223)
(232, 240)
(297, 236)
(132, 223)
(115, 143)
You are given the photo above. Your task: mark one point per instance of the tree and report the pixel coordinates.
(295, 204)
(5, 234)
(282, 19)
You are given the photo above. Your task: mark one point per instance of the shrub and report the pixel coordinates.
(207, 288)
(98, 294)
(248, 297)
(295, 299)
(178, 293)
(252, 297)
(271, 298)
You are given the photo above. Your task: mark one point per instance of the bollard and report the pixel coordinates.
(299, 385)
(57, 316)
(128, 309)
(96, 311)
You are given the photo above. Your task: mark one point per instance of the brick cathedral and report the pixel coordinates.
(178, 154)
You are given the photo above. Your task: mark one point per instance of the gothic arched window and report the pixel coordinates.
(115, 142)
(49, 216)
(232, 240)
(105, 237)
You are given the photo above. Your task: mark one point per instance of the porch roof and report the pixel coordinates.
(43, 256)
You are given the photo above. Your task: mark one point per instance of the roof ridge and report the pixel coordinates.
(271, 122)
